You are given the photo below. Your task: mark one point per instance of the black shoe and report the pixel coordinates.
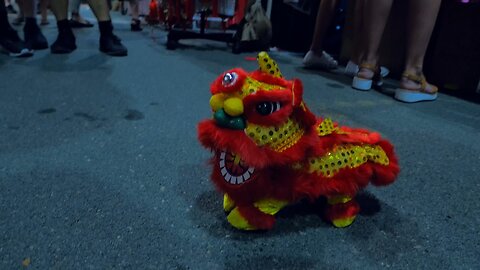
(34, 39)
(135, 25)
(65, 42)
(13, 45)
(111, 45)
(10, 9)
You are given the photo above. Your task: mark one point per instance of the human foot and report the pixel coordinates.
(415, 88)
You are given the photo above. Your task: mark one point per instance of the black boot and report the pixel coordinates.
(65, 42)
(34, 39)
(109, 43)
(13, 45)
(135, 25)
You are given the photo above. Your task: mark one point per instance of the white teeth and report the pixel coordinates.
(224, 171)
(232, 179)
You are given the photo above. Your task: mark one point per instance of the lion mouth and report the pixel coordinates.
(233, 169)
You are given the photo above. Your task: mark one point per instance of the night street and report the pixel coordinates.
(100, 167)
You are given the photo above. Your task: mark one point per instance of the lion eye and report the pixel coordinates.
(266, 108)
(229, 78)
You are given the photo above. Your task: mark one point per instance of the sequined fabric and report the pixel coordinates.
(347, 156)
(277, 138)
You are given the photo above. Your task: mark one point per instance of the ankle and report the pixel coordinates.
(106, 28)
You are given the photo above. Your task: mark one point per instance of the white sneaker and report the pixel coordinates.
(325, 61)
(351, 70)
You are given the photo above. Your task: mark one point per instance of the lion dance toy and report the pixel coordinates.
(271, 151)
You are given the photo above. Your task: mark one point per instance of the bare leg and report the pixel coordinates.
(44, 11)
(134, 7)
(375, 17)
(358, 32)
(316, 57)
(135, 25)
(100, 9)
(325, 13)
(29, 8)
(20, 16)
(60, 9)
(421, 20)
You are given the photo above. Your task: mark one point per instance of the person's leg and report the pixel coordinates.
(109, 43)
(316, 57)
(421, 20)
(375, 18)
(76, 20)
(325, 14)
(33, 36)
(20, 17)
(44, 11)
(134, 9)
(65, 42)
(9, 39)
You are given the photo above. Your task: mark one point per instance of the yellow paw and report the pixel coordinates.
(270, 206)
(343, 222)
(239, 222)
(228, 203)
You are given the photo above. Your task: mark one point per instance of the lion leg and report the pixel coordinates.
(342, 210)
(259, 216)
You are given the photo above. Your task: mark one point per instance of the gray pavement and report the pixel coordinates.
(100, 168)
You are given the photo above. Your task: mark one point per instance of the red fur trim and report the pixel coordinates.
(218, 87)
(257, 218)
(342, 210)
(276, 118)
(215, 138)
(304, 116)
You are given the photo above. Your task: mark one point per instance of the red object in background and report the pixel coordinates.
(153, 16)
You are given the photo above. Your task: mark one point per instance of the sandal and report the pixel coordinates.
(423, 92)
(365, 84)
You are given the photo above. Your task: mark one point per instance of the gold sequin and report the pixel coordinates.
(251, 86)
(326, 127)
(268, 65)
(279, 138)
(347, 156)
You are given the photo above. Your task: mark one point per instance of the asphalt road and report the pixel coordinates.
(100, 168)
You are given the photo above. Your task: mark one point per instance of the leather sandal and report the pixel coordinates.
(423, 92)
(365, 84)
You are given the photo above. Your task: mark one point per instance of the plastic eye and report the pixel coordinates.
(229, 78)
(266, 108)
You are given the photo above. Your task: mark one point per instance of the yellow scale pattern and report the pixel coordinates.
(278, 138)
(347, 156)
(326, 127)
(268, 65)
(251, 86)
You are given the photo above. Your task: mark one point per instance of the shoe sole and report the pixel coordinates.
(409, 96)
(361, 84)
(61, 51)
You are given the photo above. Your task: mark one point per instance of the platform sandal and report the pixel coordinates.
(419, 93)
(365, 84)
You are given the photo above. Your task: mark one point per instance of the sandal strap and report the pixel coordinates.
(371, 67)
(420, 79)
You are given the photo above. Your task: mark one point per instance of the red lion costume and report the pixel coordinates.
(271, 151)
